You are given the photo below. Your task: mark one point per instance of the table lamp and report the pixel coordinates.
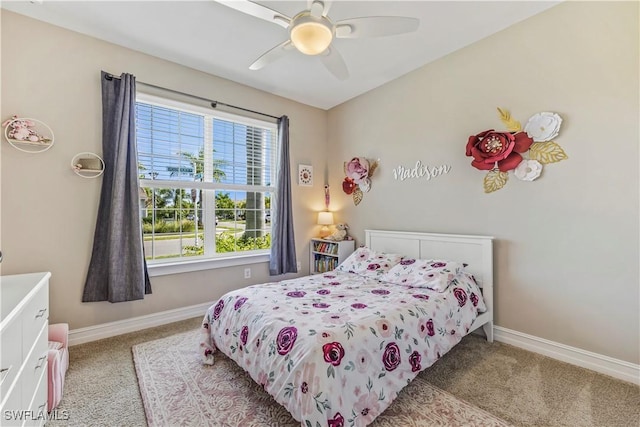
(325, 219)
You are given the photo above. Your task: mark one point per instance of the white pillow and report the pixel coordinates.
(366, 262)
(424, 273)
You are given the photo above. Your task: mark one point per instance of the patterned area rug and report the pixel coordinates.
(178, 390)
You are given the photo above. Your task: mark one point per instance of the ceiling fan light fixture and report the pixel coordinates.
(311, 35)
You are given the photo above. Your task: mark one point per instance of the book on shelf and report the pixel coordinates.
(326, 247)
(323, 264)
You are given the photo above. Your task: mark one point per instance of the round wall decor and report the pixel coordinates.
(87, 165)
(28, 135)
(305, 175)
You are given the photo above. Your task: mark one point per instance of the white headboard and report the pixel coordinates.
(475, 251)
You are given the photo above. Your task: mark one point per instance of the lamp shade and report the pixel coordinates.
(325, 218)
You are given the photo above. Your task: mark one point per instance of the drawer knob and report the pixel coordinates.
(41, 312)
(40, 362)
(4, 372)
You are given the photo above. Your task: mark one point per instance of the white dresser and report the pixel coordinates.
(24, 319)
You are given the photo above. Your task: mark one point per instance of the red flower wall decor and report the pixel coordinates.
(521, 151)
(358, 172)
(502, 149)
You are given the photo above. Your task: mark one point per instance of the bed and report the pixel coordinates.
(335, 349)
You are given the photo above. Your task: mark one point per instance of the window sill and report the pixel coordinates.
(204, 264)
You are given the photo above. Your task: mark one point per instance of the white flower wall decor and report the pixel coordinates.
(543, 127)
(528, 170)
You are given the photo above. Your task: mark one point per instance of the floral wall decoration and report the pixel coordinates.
(523, 151)
(21, 129)
(358, 173)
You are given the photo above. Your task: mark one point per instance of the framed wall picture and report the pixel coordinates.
(305, 175)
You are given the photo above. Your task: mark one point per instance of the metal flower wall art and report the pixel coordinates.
(524, 152)
(358, 173)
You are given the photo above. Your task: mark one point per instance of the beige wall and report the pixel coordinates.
(49, 213)
(567, 244)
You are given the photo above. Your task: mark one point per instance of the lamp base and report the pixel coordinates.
(324, 232)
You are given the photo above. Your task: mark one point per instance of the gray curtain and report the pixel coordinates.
(118, 271)
(283, 245)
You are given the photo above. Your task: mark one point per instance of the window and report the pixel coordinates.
(206, 178)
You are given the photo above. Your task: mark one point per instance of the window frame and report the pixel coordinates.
(198, 263)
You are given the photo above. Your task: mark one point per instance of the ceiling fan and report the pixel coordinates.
(311, 31)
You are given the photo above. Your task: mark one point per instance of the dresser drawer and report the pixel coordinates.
(38, 405)
(11, 412)
(35, 367)
(10, 356)
(35, 316)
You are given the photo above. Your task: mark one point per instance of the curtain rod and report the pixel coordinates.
(214, 104)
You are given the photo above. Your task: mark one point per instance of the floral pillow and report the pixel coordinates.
(366, 262)
(424, 273)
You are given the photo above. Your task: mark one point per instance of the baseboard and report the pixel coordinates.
(111, 329)
(596, 362)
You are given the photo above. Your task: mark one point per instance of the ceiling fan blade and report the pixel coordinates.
(375, 26)
(272, 55)
(326, 6)
(257, 10)
(316, 9)
(332, 59)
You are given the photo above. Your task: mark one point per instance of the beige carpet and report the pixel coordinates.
(523, 388)
(178, 390)
(528, 389)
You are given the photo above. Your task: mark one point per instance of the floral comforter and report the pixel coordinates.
(336, 349)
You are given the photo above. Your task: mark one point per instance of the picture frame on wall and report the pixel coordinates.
(305, 175)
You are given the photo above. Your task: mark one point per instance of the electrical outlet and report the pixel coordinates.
(247, 273)
(298, 266)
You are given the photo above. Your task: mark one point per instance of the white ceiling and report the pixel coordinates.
(213, 38)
